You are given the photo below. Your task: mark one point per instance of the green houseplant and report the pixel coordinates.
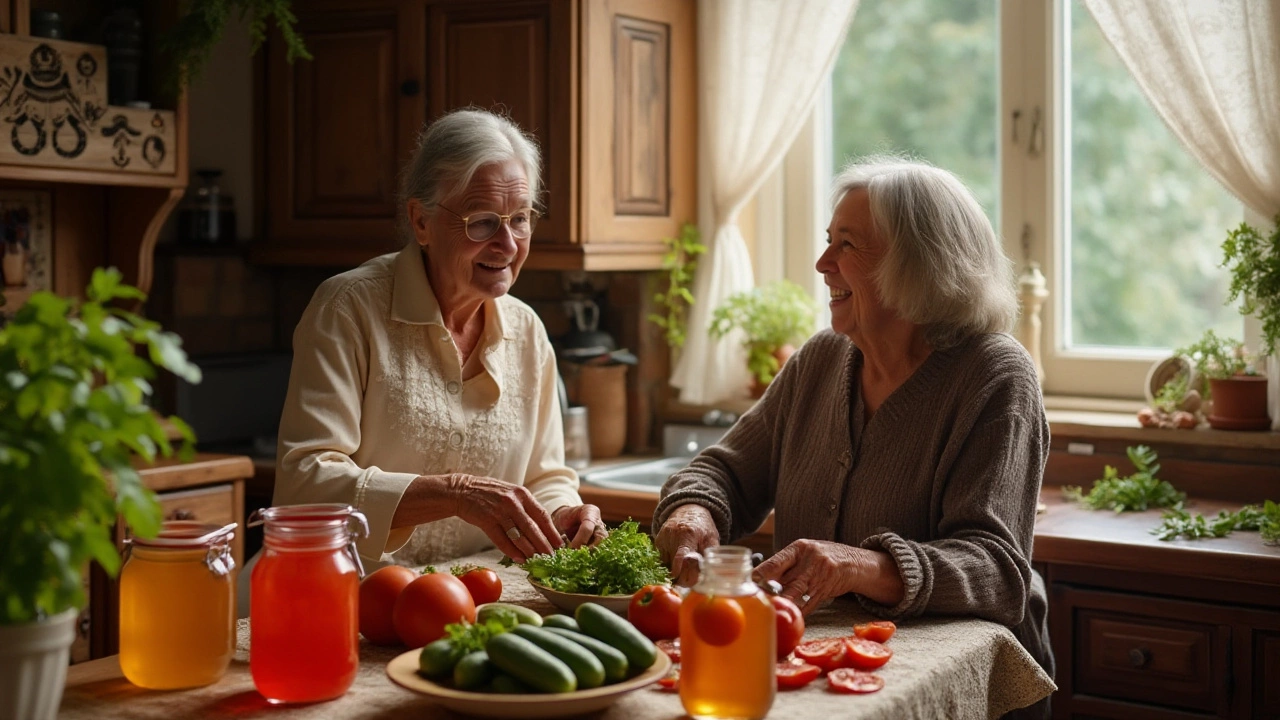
(1238, 392)
(679, 263)
(73, 417)
(772, 318)
(1254, 263)
(190, 41)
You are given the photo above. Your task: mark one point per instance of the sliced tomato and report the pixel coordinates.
(671, 648)
(864, 654)
(848, 680)
(670, 681)
(827, 653)
(878, 630)
(796, 674)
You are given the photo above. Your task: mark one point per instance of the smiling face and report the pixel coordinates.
(848, 266)
(464, 272)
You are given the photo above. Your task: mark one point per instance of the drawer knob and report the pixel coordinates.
(1139, 657)
(83, 627)
(181, 514)
(409, 88)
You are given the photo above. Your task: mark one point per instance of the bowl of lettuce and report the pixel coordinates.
(608, 574)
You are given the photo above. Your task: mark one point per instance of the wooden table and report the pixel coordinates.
(942, 668)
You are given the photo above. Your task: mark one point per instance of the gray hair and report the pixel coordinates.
(944, 267)
(451, 150)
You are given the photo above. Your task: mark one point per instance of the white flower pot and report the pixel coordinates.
(33, 666)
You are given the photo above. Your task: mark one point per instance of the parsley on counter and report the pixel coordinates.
(622, 563)
(1180, 523)
(1139, 491)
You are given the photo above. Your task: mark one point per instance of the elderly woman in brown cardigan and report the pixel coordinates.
(902, 451)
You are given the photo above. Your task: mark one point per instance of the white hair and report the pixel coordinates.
(451, 150)
(944, 267)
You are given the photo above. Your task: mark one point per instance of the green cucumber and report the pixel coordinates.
(531, 664)
(473, 671)
(438, 658)
(524, 615)
(615, 663)
(602, 624)
(561, 621)
(504, 684)
(584, 664)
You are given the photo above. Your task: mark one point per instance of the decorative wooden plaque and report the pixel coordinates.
(53, 112)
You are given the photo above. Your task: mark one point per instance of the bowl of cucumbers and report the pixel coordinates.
(563, 666)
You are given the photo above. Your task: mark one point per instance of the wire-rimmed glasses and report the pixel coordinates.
(480, 226)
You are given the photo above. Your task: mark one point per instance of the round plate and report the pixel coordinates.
(403, 670)
(569, 602)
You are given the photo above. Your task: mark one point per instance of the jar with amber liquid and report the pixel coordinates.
(728, 640)
(303, 616)
(177, 606)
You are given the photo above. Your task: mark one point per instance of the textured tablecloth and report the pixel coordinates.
(949, 669)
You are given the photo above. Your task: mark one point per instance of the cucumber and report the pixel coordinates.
(561, 621)
(615, 663)
(473, 671)
(531, 664)
(584, 664)
(601, 624)
(438, 658)
(504, 684)
(524, 615)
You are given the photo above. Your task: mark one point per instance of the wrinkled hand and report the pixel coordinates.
(812, 571)
(580, 523)
(495, 507)
(688, 531)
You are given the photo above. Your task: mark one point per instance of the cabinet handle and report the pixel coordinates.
(181, 514)
(1139, 657)
(409, 88)
(83, 627)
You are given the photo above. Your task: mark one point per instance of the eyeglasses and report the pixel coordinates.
(481, 226)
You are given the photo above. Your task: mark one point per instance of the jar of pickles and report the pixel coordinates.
(303, 594)
(177, 606)
(728, 640)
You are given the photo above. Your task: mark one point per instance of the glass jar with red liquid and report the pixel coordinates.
(303, 594)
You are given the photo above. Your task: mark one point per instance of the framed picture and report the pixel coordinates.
(26, 246)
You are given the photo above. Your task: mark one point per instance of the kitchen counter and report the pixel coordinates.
(957, 668)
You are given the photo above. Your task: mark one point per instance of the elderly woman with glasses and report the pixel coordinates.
(422, 393)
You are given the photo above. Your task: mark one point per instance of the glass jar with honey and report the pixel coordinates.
(728, 640)
(177, 606)
(303, 594)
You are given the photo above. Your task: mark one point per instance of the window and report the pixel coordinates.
(1029, 105)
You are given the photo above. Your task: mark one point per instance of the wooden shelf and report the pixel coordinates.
(27, 173)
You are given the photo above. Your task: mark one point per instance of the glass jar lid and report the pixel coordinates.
(188, 535)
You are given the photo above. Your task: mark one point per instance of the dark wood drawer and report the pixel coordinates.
(1266, 674)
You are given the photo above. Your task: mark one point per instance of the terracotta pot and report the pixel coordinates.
(782, 354)
(1239, 403)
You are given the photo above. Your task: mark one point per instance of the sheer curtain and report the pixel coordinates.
(1212, 71)
(761, 64)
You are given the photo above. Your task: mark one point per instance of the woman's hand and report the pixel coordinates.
(580, 523)
(507, 513)
(814, 571)
(689, 530)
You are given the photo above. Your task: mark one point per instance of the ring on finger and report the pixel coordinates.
(804, 599)
(513, 532)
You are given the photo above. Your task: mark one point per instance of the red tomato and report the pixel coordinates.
(796, 675)
(484, 584)
(718, 620)
(429, 603)
(865, 654)
(827, 653)
(848, 680)
(655, 611)
(879, 630)
(670, 681)
(671, 648)
(790, 625)
(378, 593)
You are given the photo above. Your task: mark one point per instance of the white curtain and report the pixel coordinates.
(1211, 69)
(761, 64)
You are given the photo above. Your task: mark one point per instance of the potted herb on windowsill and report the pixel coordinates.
(1254, 263)
(73, 418)
(772, 319)
(1237, 392)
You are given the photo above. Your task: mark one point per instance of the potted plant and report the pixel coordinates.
(679, 262)
(772, 318)
(73, 417)
(1254, 263)
(1237, 391)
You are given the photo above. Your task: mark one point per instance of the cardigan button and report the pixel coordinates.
(455, 439)
(453, 387)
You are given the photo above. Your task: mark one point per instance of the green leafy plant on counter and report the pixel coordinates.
(770, 317)
(1180, 523)
(1136, 492)
(470, 637)
(679, 262)
(1254, 263)
(621, 564)
(73, 417)
(190, 42)
(1217, 357)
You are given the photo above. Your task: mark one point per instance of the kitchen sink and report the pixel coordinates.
(642, 476)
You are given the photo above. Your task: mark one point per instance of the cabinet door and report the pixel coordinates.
(339, 126)
(517, 58)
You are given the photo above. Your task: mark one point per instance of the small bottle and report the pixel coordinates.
(728, 640)
(303, 594)
(177, 606)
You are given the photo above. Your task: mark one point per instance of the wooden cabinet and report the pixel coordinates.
(606, 87)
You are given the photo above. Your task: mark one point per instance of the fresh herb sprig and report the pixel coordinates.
(1139, 491)
(470, 637)
(1180, 523)
(622, 563)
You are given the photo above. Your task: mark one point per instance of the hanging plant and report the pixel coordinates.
(679, 263)
(190, 42)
